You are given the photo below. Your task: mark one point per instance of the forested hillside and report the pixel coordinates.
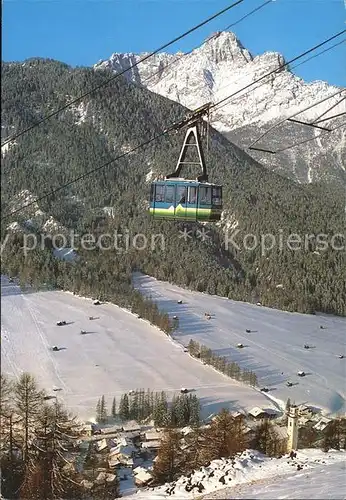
(108, 123)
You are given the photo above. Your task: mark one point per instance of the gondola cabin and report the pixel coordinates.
(177, 198)
(185, 200)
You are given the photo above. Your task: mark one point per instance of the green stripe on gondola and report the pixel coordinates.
(186, 213)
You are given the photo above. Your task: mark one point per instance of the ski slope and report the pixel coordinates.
(119, 353)
(274, 349)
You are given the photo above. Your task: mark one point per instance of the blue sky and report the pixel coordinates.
(81, 32)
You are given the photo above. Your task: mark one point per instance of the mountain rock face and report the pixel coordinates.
(221, 67)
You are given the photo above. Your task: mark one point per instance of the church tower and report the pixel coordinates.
(292, 428)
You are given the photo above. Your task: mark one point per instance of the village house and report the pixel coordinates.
(122, 454)
(105, 477)
(87, 430)
(305, 411)
(101, 445)
(124, 450)
(257, 413)
(116, 461)
(303, 421)
(153, 435)
(151, 445)
(114, 429)
(237, 414)
(133, 427)
(322, 424)
(142, 477)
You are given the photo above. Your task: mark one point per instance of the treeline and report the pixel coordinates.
(39, 454)
(141, 405)
(221, 364)
(40, 269)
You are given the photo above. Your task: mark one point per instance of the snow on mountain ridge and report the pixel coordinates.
(220, 67)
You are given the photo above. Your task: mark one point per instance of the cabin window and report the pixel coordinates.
(217, 196)
(205, 195)
(192, 195)
(160, 193)
(169, 196)
(181, 194)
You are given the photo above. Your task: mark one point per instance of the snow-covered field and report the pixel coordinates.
(275, 347)
(120, 352)
(253, 475)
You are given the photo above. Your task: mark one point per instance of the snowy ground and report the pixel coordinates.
(327, 482)
(119, 353)
(275, 344)
(252, 475)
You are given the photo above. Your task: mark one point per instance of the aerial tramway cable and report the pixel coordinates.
(277, 70)
(117, 75)
(292, 116)
(165, 132)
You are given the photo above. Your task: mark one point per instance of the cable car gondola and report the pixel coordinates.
(177, 198)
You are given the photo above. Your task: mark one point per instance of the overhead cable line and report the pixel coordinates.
(320, 53)
(333, 116)
(174, 61)
(329, 109)
(311, 139)
(291, 67)
(276, 70)
(117, 75)
(136, 148)
(212, 37)
(292, 116)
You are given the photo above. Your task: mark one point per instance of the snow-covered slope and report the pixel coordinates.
(323, 481)
(119, 353)
(253, 475)
(222, 66)
(275, 347)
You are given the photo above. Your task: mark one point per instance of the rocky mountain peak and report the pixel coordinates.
(220, 67)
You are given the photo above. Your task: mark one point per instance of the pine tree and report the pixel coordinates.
(195, 445)
(332, 435)
(103, 410)
(141, 404)
(173, 412)
(49, 474)
(114, 408)
(28, 402)
(266, 439)
(195, 409)
(7, 418)
(124, 411)
(170, 458)
(225, 437)
(193, 347)
(6, 389)
(105, 490)
(307, 436)
(146, 404)
(98, 411)
(161, 414)
(134, 406)
(11, 465)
